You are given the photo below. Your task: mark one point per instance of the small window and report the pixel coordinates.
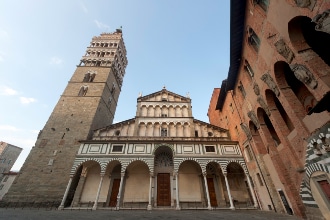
(196, 133)
(5, 179)
(83, 91)
(164, 99)
(209, 148)
(87, 76)
(117, 148)
(253, 39)
(210, 134)
(92, 77)
(113, 89)
(241, 89)
(163, 132)
(259, 179)
(248, 68)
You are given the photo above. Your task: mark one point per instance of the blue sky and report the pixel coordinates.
(182, 44)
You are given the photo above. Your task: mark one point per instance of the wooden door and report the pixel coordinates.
(163, 189)
(114, 193)
(325, 187)
(213, 196)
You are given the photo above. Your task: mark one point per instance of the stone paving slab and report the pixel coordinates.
(42, 214)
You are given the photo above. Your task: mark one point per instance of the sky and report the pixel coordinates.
(180, 44)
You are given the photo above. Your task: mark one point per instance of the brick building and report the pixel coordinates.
(275, 101)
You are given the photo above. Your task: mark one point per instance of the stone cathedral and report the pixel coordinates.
(162, 157)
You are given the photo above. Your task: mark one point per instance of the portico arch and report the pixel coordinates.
(238, 184)
(136, 185)
(190, 185)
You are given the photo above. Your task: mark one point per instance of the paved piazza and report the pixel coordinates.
(137, 214)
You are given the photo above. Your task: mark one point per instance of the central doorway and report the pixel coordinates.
(163, 189)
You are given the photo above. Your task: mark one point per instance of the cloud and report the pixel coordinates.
(5, 90)
(25, 100)
(8, 128)
(102, 26)
(83, 7)
(56, 61)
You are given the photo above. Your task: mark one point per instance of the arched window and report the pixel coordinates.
(113, 89)
(275, 104)
(304, 37)
(83, 90)
(87, 76)
(285, 78)
(264, 120)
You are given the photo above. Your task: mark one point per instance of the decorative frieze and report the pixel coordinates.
(284, 50)
(271, 83)
(323, 21)
(246, 130)
(256, 89)
(304, 75)
(254, 119)
(263, 104)
(306, 3)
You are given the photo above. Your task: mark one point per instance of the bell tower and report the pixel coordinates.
(88, 102)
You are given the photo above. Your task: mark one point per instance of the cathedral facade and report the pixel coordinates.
(162, 157)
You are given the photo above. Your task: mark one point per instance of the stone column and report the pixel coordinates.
(255, 203)
(98, 192)
(120, 190)
(207, 192)
(155, 191)
(229, 194)
(61, 207)
(150, 191)
(177, 191)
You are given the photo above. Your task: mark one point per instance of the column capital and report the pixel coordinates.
(204, 174)
(122, 174)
